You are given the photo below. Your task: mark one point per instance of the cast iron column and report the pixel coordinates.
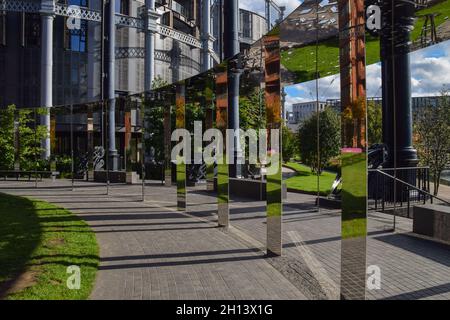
(110, 82)
(206, 34)
(267, 8)
(231, 35)
(47, 16)
(149, 73)
(397, 22)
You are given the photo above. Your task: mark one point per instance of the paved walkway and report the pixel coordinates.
(150, 251)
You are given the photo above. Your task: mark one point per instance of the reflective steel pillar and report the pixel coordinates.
(223, 193)
(209, 122)
(180, 102)
(354, 148)
(274, 122)
(167, 146)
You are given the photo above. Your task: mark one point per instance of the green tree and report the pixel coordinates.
(30, 137)
(329, 141)
(7, 138)
(374, 126)
(289, 144)
(432, 132)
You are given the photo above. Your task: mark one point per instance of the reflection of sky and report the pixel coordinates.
(259, 6)
(430, 72)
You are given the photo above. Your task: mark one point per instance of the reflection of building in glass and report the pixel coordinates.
(252, 27)
(304, 110)
(416, 102)
(179, 42)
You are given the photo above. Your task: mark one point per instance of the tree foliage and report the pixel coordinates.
(252, 110)
(29, 136)
(7, 138)
(289, 144)
(375, 123)
(329, 141)
(432, 132)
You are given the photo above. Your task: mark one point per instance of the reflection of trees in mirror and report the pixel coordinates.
(154, 140)
(354, 126)
(329, 142)
(252, 110)
(374, 123)
(432, 137)
(289, 144)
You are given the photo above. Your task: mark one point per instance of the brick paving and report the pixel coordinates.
(150, 251)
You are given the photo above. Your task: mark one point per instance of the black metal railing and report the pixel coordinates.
(400, 188)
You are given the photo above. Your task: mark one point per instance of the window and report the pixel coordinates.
(246, 24)
(123, 7)
(31, 30)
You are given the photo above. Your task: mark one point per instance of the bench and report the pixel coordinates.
(18, 173)
(433, 221)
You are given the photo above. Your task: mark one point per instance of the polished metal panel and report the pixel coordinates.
(180, 111)
(209, 123)
(221, 79)
(274, 122)
(167, 146)
(354, 148)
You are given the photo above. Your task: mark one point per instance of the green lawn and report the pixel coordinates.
(39, 241)
(354, 198)
(301, 61)
(306, 181)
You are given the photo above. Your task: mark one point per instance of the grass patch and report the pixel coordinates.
(38, 241)
(306, 180)
(354, 199)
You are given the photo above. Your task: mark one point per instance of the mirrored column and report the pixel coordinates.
(354, 149)
(209, 123)
(223, 195)
(273, 118)
(180, 106)
(167, 144)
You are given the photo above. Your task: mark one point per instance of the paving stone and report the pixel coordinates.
(148, 250)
